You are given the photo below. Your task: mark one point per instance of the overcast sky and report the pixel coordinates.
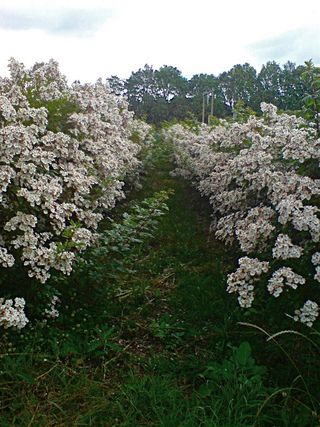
(99, 38)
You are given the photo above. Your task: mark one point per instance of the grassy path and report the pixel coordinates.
(180, 322)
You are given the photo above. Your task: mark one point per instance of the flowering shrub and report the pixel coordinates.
(262, 180)
(65, 153)
(12, 314)
(141, 132)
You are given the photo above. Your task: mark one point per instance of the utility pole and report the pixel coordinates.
(211, 102)
(205, 101)
(203, 106)
(211, 111)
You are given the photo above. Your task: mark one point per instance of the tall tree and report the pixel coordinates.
(172, 87)
(240, 83)
(117, 85)
(170, 83)
(157, 95)
(293, 87)
(311, 76)
(141, 92)
(270, 80)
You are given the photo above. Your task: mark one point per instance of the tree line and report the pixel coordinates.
(164, 94)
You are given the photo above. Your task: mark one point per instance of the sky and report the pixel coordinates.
(100, 38)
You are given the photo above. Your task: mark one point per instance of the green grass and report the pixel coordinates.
(158, 346)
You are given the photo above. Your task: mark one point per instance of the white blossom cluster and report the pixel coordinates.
(51, 311)
(6, 260)
(141, 131)
(253, 231)
(285, 249)
(142, 134)
(259, 182)
(316, 262)
(12, 313)
(308, 313)
(242, 280)
(284, 276)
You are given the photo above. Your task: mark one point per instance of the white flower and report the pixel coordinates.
(6, 259)
(241, 281)
(307, 314)
(316, 258)
(284, 276)
(51, 312)
(12, 313)
(285, 249)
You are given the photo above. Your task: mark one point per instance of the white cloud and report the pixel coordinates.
(296, 45)
(63, 22)
(207, 36)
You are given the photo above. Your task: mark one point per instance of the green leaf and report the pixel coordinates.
(243, 353)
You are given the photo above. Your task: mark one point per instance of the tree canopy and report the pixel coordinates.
(164, 94)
